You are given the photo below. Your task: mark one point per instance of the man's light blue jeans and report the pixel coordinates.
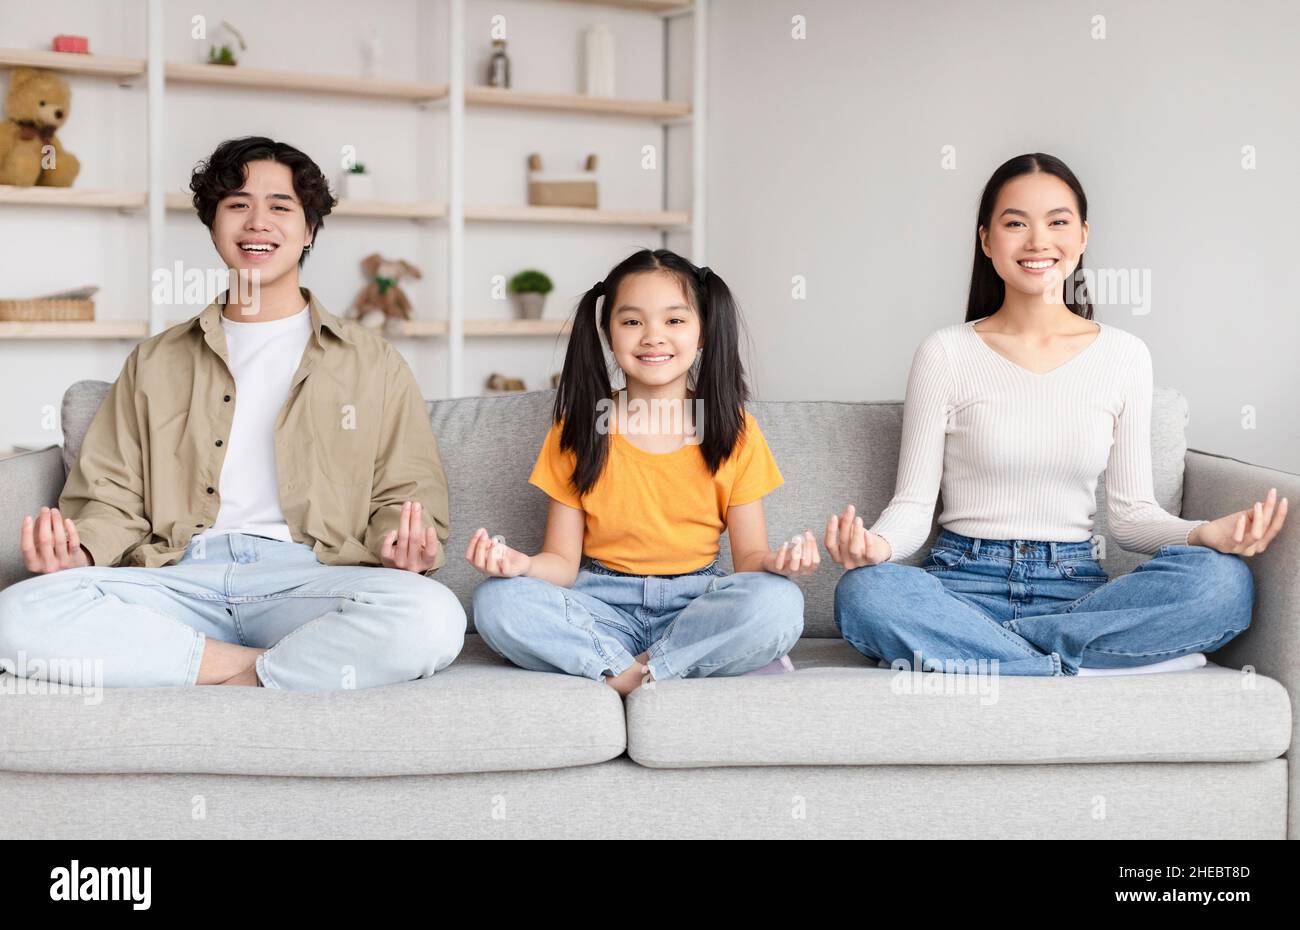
(692, 625)
(1042, 608)
(327, 627)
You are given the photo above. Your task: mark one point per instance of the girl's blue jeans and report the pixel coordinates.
(1042, 608)
(692, 625)
(326, 627)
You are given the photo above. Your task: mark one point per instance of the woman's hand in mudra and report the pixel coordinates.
(1246, 532)
(851, 544)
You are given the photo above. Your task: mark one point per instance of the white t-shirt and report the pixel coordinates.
(263, 358)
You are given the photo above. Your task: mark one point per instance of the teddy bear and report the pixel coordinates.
(30, 154)
(382, 303)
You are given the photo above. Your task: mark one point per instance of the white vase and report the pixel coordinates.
(600, 62)
(357, 187)
(374, 54)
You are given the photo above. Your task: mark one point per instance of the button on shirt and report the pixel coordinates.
(352, 441)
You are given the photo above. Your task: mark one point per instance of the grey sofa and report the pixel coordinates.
(839, 748)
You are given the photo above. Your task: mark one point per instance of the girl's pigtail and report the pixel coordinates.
(584, 382)
(721, 381)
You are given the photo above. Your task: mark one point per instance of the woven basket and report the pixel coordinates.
(30, 311)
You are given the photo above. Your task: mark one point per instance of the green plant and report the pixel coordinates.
(358, 168)
(226, 56)
(531, 282)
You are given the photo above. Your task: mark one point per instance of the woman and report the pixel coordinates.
(1014, 413)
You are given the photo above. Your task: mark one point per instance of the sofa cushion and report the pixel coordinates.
(477, 715)
(837, 708)
(489, 444)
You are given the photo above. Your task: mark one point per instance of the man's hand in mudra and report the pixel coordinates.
(408, 547)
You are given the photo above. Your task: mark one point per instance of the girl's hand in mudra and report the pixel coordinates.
(491, 556)
(796, 557)
(1246, 532)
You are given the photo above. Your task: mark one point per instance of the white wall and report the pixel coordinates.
(825, 162)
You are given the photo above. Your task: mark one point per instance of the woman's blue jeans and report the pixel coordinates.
(326, 627)
(1042, 608)
(692, 625)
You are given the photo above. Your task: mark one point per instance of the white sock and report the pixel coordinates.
(775, 667)
(1178, 664)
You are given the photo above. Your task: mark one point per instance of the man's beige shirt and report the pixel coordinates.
(352, 442)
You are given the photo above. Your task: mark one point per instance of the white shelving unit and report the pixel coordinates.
(456, 95)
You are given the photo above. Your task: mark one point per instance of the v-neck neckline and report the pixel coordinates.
(1101, 331)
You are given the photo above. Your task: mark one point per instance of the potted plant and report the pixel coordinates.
(226, 55)
(357, 185)
(530, 288)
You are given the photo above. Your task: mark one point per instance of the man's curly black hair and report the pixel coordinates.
(225, 172)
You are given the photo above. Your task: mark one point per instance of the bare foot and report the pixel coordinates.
(631, 678)
(247, 677)
(223, 661)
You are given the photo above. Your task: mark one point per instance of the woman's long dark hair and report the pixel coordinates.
(584, 382)
(987, 289)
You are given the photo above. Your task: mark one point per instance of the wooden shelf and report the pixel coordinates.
(304, 82)
(511, 213)
(361, 208)
(516, 327)
(75, 329)
(492, 213)
(341, 85)
(71, 197)
(507, 213)
(415, 328)
(72, 62)
(652, 6)
(138, 329)
(576, 103)
(390, 209)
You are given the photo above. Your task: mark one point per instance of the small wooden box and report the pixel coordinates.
(562, 194)
(553, 190)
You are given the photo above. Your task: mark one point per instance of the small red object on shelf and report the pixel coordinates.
(72, 44)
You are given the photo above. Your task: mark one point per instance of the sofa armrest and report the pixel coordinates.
(1213, 486)
(28, 482)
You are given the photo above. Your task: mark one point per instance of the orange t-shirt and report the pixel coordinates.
(658, 513)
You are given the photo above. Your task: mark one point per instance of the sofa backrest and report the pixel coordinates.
(830, 453)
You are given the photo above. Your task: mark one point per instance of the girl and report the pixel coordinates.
(1014, 414)
(627, 587)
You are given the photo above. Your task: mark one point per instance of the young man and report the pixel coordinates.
(247, 465)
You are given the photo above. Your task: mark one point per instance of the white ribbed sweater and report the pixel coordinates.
(1018, 454)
